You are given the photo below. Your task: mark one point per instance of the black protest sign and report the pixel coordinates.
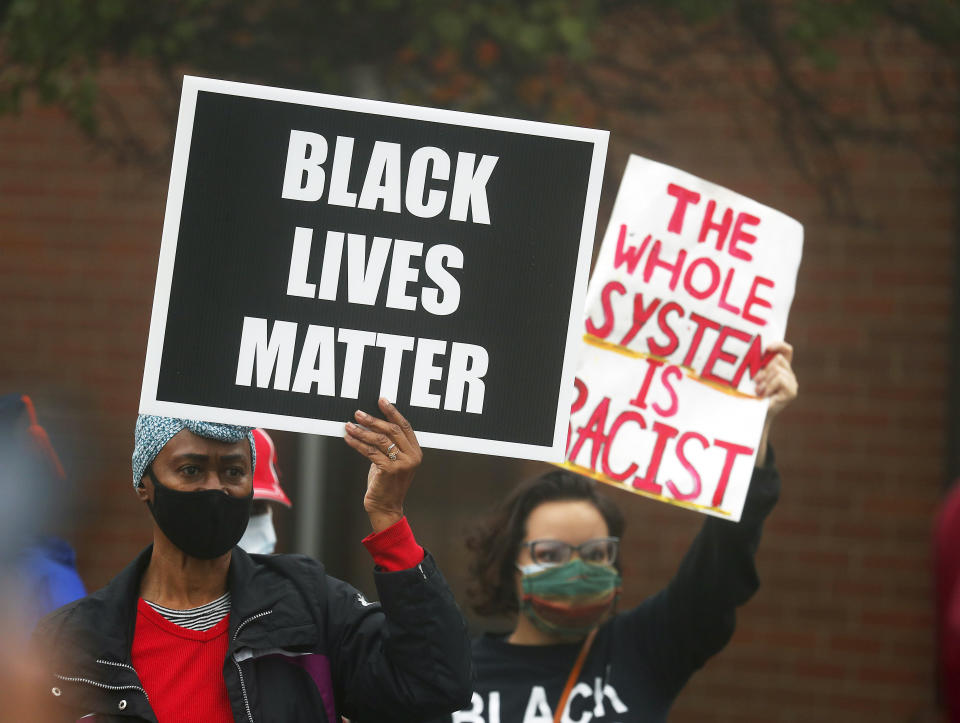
(319, 252)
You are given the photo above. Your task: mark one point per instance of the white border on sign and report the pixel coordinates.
(192, 85)
(329, 428)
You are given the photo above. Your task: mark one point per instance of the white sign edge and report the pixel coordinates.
(571, 357)
(168, 243)
(329, 428)
(388, 108)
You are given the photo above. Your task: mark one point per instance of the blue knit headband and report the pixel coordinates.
(152, 434)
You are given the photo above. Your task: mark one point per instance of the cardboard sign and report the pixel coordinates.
(692, 284)
(319, 252)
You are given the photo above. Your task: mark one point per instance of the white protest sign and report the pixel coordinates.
(692, 284)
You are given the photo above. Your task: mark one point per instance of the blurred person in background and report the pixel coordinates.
(36, 567)
(549, 556)
(195, 630)
(946, 556)
(260, 537)
(47, 563)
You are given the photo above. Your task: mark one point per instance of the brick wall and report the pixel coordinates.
(841, 629)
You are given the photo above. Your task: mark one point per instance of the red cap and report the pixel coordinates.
(266, 481)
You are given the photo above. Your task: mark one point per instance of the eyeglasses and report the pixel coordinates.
(600, 551)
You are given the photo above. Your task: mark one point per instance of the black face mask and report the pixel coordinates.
(204, 524)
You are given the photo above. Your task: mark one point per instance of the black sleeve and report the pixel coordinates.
(693, 618)
(404, 659)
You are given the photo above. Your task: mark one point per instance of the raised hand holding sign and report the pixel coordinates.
(394, 453)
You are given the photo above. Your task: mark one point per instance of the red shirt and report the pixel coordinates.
(181, 669)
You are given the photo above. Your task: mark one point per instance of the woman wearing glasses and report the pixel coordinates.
(549, 555)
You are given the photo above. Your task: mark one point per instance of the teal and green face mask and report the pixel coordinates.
(570, 599)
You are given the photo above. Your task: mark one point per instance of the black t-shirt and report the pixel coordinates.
(640, 658)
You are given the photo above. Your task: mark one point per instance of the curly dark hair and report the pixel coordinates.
(495, 543)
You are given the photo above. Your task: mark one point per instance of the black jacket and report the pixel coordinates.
(303, 646)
